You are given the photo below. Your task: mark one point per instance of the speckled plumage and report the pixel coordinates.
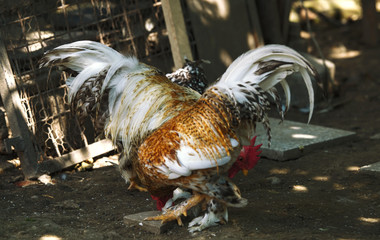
(172, 136)
(191, 75)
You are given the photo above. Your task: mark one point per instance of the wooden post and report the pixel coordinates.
(270, 21)
(255, 21)
(285, 7)
(21, 135)
(369, 23)
(176, 27)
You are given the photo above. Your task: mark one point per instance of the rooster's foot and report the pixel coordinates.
(134, 185)
(216, 214)
(178, 193)
(175, 212)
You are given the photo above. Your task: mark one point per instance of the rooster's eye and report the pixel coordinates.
(240, 158)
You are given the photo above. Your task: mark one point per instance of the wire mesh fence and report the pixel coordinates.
(29, 28)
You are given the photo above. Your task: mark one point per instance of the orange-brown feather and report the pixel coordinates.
(208, 123)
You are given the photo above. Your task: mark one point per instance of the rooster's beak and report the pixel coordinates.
(245, 172)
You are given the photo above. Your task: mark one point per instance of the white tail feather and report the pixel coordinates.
(81, 54)
(266, 67)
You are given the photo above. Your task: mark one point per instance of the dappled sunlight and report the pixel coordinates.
(251, 40)
(338, 186)
(341, 52)
(365, 197)
(225, 57)
(303, 136)
(348, 9)
(223, 8)
(211, 9)
(353, 168)
(280, 171)
(322, 11)
(301, 172)
(321, 178)
(36, 37)
(300, 188)
(369, 220)
(50, 237)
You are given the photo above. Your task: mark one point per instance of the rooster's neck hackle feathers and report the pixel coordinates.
(145, 101)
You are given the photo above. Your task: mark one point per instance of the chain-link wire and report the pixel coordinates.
(30, 28)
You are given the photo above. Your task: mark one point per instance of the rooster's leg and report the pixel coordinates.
(134, 185)
(178, 193)
(175, 212)
(216, 214)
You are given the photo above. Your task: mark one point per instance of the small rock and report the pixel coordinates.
(46, 179)
(85, 166)
(105, 162)
(274, 180)
(63, 176)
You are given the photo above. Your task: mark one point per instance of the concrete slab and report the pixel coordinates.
(373, 168)
(156, 227)
(292, 140)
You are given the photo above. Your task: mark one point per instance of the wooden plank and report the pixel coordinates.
(16, 115)
(76, 156)
(175, 24)
(156, 227)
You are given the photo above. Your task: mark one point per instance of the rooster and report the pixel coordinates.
(171, 136)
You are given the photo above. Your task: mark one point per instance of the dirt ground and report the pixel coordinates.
(319, 196)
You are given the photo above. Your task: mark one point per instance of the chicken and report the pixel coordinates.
(194, 148)
(171, 136)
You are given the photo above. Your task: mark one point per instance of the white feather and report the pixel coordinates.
(90, 71)
(286, 88)
(244, 70)
(189, 160)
